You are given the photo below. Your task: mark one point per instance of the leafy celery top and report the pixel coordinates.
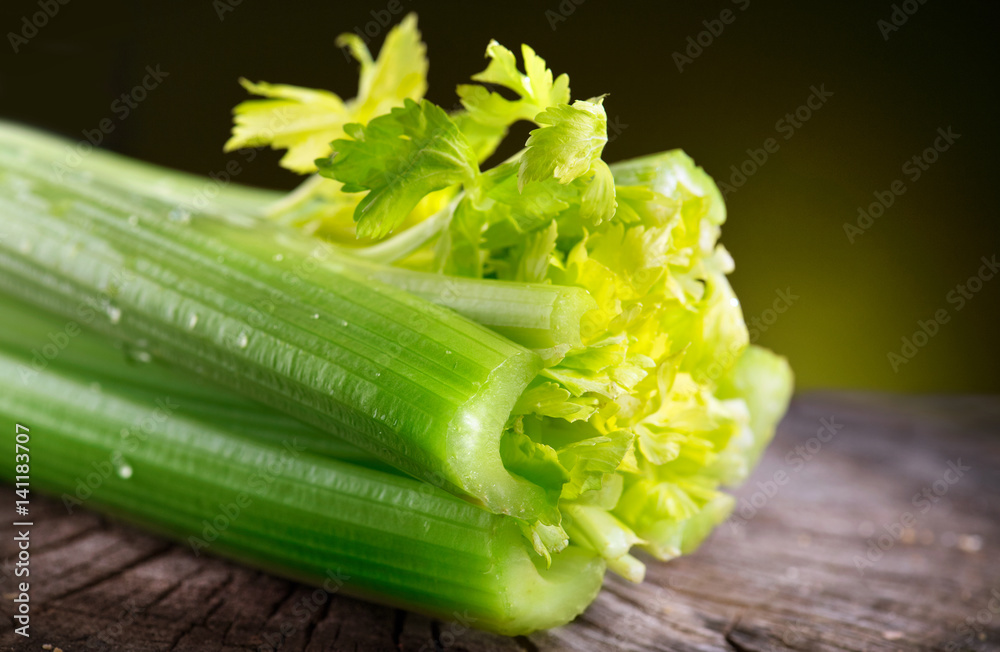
(634, 431)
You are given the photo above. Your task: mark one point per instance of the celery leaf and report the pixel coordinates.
(304, 121)
(536, 89)
(399, 158)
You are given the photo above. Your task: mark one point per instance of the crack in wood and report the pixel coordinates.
(154, 553)
(69, 539)
(314, 623)
(436, 636)
(399, 620)
(736, 645)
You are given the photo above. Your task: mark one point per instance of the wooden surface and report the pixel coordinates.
(787, 578)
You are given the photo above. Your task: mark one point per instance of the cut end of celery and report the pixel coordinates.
(563, 325)
(535, 315)
(536, 597)
(474, 462)
(628, 567)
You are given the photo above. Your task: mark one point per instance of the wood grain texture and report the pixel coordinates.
(788, 574)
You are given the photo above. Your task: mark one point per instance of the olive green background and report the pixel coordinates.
(855, 301)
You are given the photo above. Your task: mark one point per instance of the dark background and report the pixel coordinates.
(786, 227)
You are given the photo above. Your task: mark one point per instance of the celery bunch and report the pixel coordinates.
(552, 338)
(654, 382)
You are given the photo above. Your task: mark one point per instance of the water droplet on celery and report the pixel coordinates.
(242, 340)
(180, 215)
(447, 352)
(138, 354)
(124, 471)
(343, 322)
(114, 314)
(733, 301)
(192, 321)
(315, 315)
(278, 258)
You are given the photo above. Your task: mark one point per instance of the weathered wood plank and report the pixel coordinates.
(789, 571)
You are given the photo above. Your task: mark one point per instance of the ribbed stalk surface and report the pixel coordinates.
(416, 385)
(128, 437)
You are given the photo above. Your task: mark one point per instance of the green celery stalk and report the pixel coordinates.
(534, 315)
(270, 494)
(60, 158)
(416, 385)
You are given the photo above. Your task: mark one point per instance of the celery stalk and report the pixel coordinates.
(416, 385)
(534, 315)
(531, 314)
(278, 499)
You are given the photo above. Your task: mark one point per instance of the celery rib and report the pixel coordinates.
(436, 417)
(534, 315)
(388, 537)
